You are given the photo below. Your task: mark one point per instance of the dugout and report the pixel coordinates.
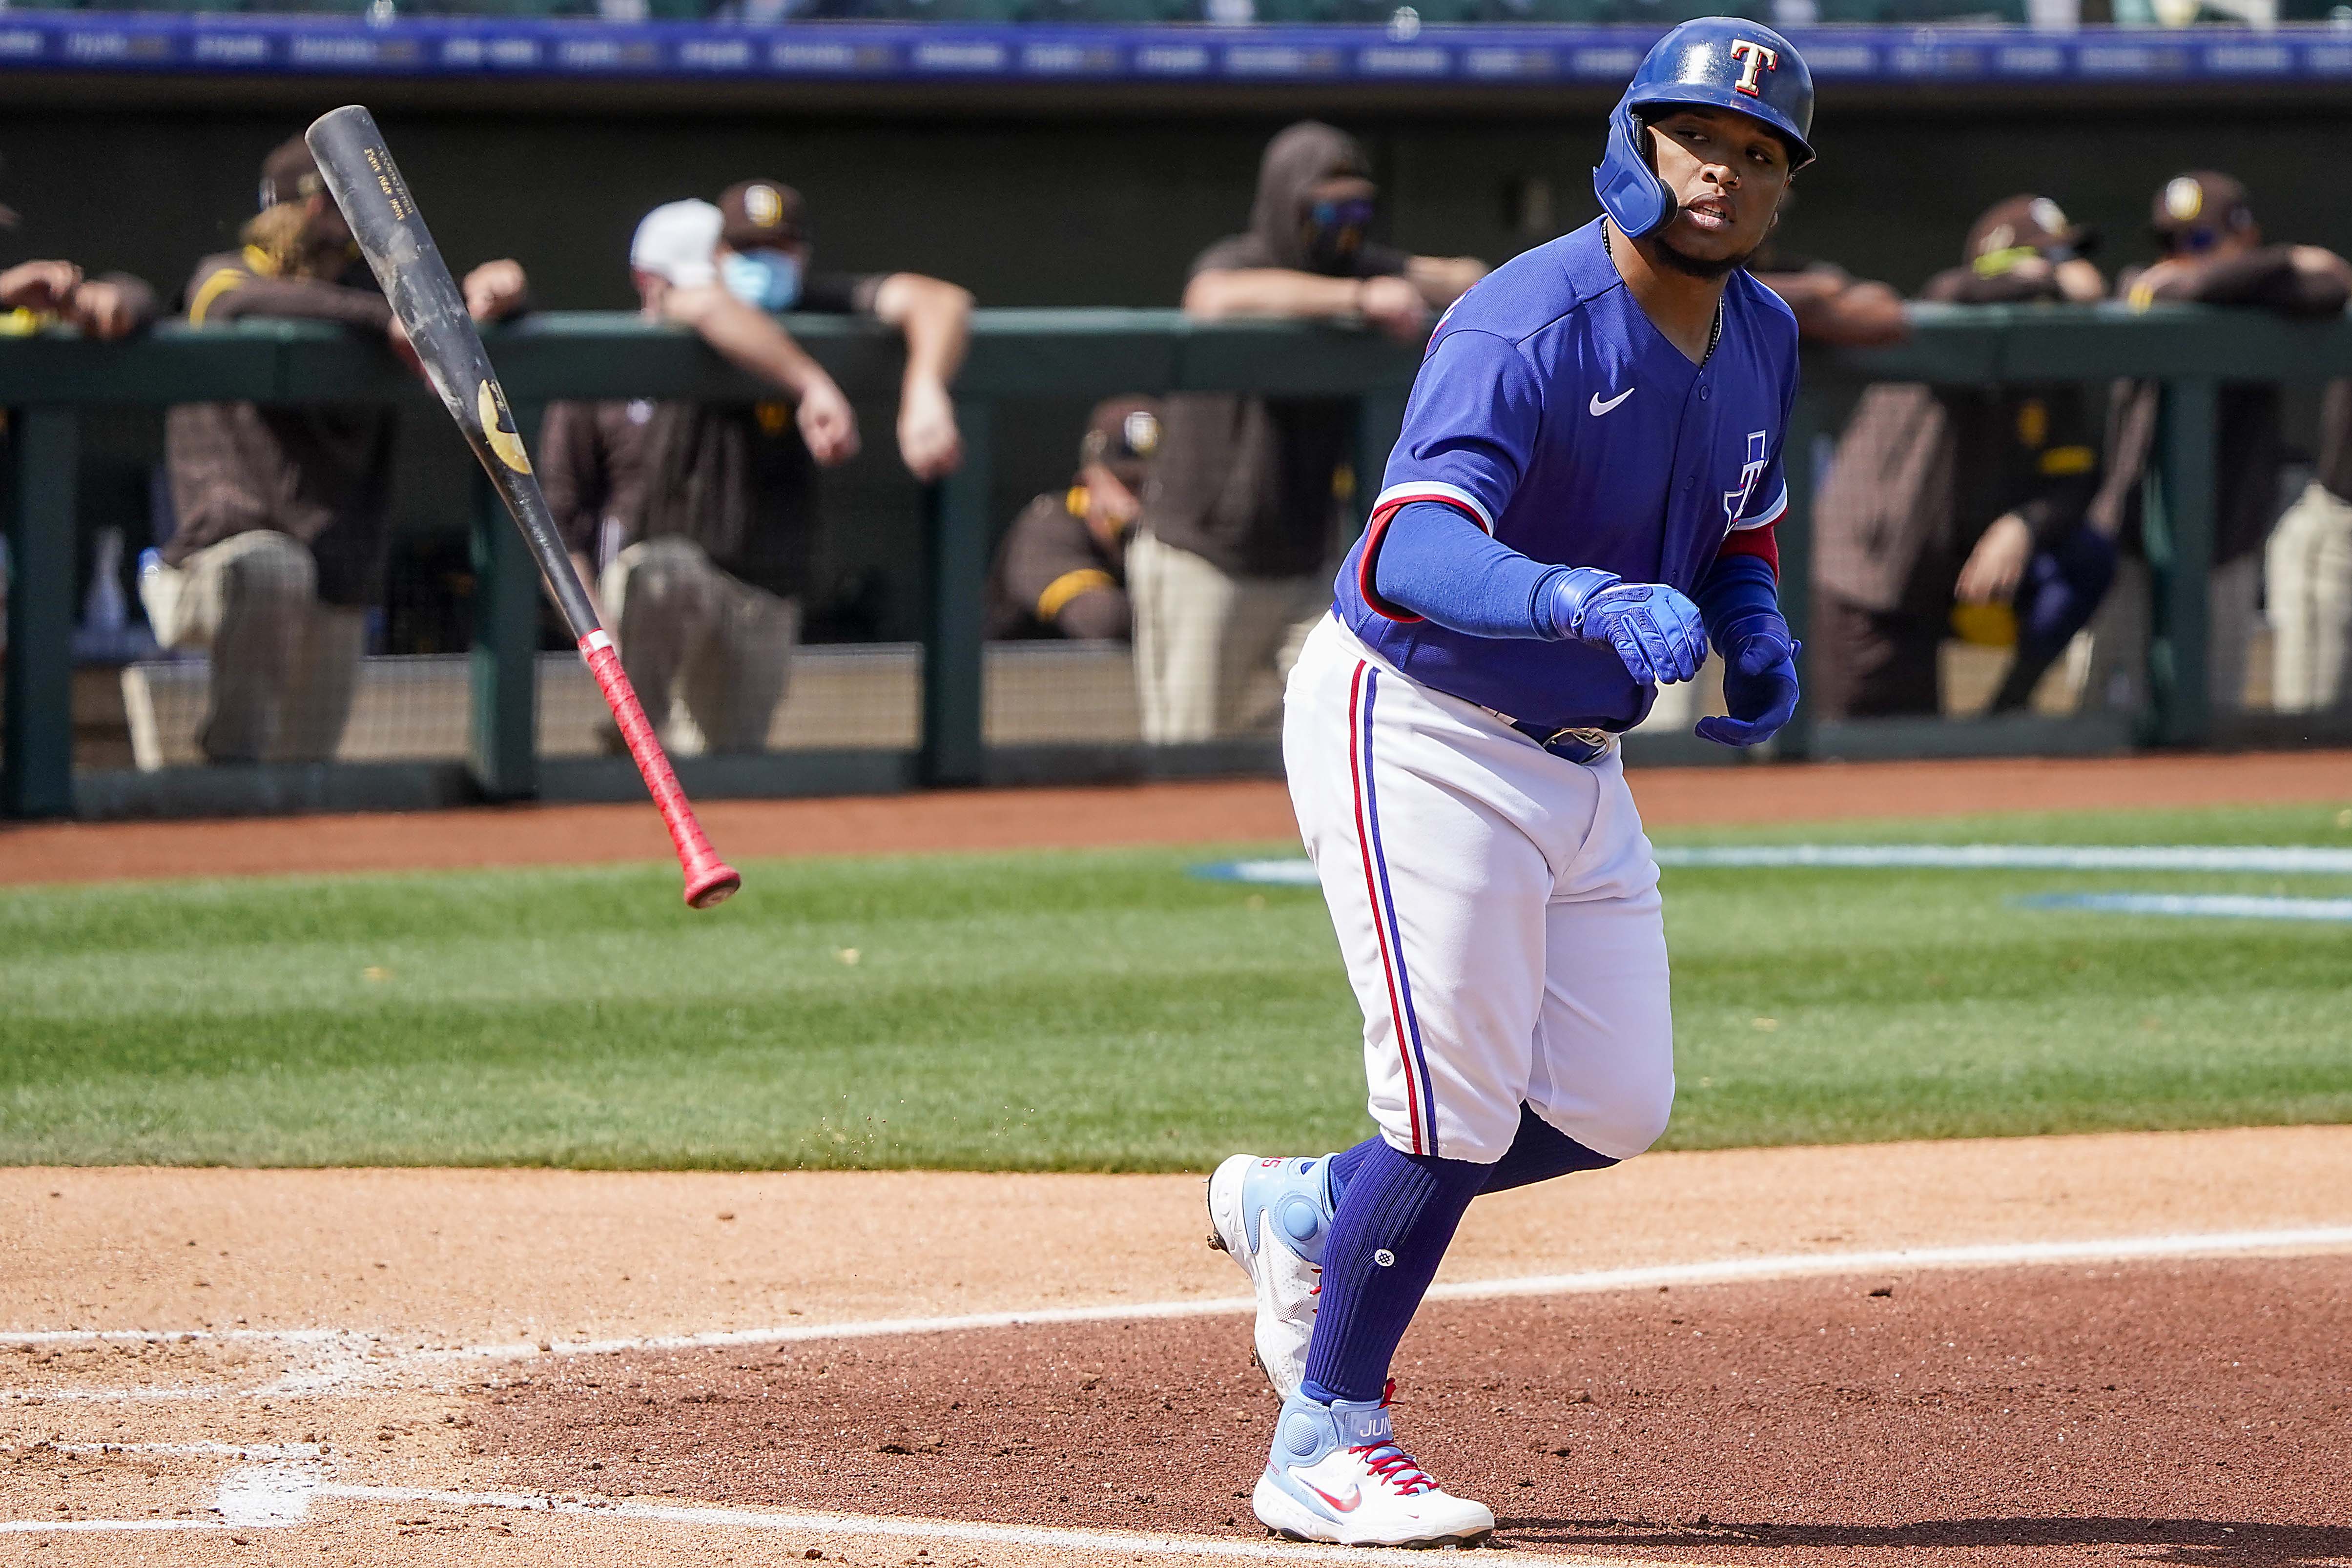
(1061, 198)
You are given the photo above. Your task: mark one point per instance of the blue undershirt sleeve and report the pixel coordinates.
(1736, 588)
(1438, 564)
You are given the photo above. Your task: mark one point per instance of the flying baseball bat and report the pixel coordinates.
(359, 172)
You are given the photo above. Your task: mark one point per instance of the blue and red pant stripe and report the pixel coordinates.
(1421, 1099)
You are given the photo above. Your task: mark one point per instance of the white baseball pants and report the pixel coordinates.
(1212, 649)
(285, 665)
(1497, 907)
(2310, 559)
(683, 624)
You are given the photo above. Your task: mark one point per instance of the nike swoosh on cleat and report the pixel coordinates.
(1600, 407)
(1354, 1497)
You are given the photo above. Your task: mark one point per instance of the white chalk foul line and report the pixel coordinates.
(1714, 1272)
(358, 1371)
(1719, 1271)
(875, 1327)
(1990, 1255)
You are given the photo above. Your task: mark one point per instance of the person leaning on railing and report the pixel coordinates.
(703, 517)
(1061, 571)
(38, 294)
(1232, 563)
(280, 515)
(2213, 255)
(1962, 507)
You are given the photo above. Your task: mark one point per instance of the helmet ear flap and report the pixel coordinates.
(1635, 199)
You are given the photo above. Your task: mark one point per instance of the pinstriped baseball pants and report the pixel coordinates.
(1497, 907)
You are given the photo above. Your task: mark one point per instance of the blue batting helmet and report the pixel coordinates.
(1719, 61)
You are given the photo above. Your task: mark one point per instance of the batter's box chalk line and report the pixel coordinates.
(278, 1497)
(317, 1361)
(377, 1367)
(2285, 860)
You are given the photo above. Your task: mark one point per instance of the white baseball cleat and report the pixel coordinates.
(1336, 1474)
(1271, 1216)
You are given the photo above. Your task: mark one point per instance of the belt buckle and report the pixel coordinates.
(1593, 744)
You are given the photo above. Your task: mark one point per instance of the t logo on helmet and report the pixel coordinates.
(1754, 59)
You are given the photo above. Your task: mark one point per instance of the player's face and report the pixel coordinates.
(1728, 173)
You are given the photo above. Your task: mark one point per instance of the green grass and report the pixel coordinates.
(1098, 1010)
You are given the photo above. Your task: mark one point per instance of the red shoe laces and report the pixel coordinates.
(1393, 1464)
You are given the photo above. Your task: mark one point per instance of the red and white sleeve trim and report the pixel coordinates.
(1768, 517)
(1763, 541)
(1392, 500)
(1454, 496)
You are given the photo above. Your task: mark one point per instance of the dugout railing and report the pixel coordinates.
(47, 381)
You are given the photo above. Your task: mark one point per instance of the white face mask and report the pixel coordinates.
(768, 278)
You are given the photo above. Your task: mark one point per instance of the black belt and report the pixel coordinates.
(1575, 745)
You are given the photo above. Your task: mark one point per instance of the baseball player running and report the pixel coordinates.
(1582, 500)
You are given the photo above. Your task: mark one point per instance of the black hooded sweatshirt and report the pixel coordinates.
(1245, 482)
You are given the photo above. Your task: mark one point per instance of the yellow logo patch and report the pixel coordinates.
(491, 405)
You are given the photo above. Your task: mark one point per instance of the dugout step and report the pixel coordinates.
(415, 707)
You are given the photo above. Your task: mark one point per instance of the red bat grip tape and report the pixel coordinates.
(709, 880)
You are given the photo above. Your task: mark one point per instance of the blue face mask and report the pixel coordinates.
(1335, 232)
(768, 278)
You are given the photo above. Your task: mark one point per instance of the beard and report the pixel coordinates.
(1706, 270)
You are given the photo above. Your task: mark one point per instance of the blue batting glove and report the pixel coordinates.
(1653, 630)
(1759, 681)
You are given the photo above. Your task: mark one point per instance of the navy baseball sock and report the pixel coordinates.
(1539, 1152)
(1396, 1212)
(1341, 1168)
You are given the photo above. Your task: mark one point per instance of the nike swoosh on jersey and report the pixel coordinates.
(1600, 407)
(1354, 1498)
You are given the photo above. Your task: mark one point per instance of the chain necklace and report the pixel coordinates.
(1715, 332)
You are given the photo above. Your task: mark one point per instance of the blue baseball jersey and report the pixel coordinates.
(1551, 411)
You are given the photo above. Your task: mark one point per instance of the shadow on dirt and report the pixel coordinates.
(2171, 1539)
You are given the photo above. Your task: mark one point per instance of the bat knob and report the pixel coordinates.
(712, 885)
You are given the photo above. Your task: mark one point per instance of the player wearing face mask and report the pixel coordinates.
(1232, 563)
(764, 259)
(697, 520)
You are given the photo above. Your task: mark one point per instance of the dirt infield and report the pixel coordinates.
(1079, 818)
(2001, 1417)
(432, 1366)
